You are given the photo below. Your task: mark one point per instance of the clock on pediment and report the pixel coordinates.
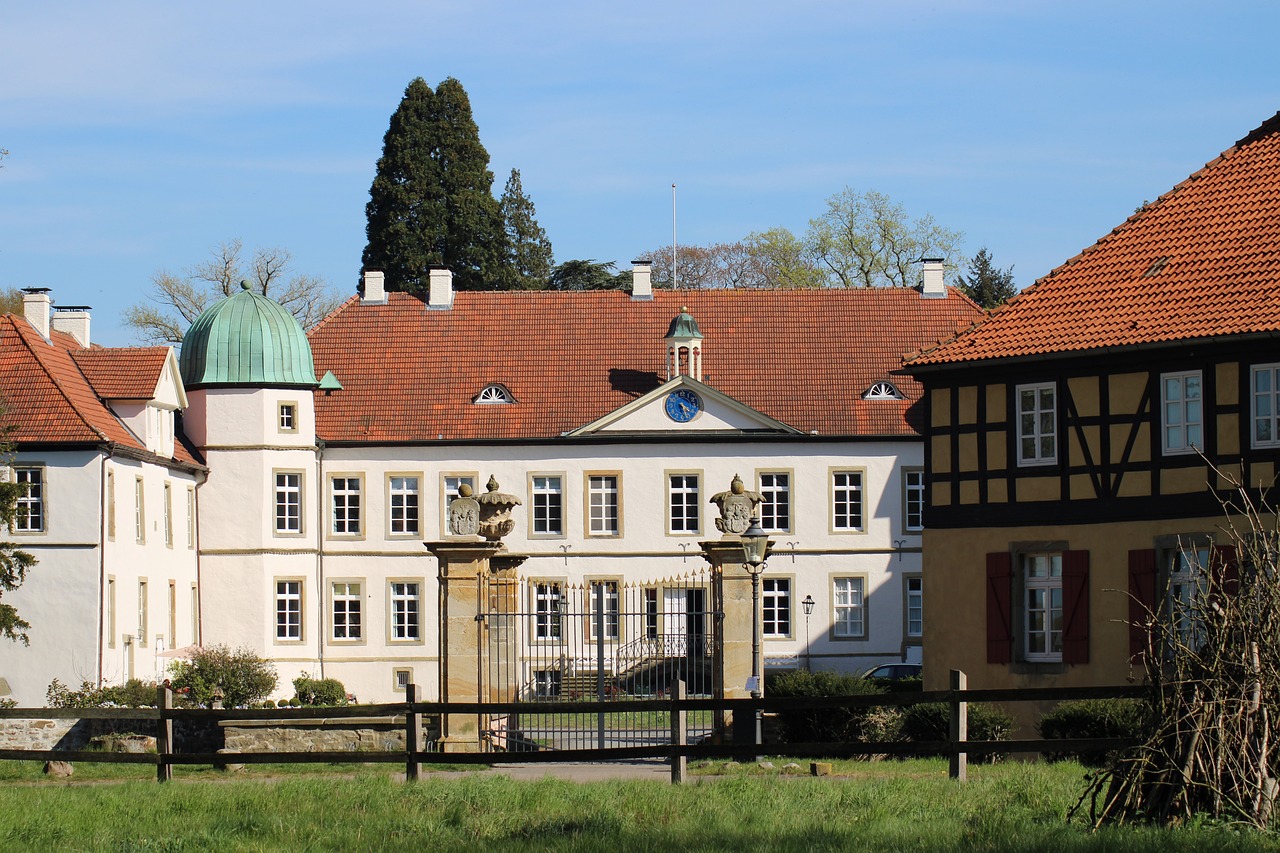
(682, 405)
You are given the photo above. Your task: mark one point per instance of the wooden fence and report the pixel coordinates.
(957, 746)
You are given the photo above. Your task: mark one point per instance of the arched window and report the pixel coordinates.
(494, 394)
(882, 391)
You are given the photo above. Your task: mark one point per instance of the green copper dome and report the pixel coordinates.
(246, 339)
(683, 325)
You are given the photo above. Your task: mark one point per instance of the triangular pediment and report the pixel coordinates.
(684, 404)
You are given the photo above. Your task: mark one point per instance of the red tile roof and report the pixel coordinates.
(122, 373)
(49, 400)
(802, 357)
(1201, 261)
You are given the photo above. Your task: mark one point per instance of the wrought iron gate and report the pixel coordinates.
(545, 642)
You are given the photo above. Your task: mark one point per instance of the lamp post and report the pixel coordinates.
(807, 604)
(755, 542)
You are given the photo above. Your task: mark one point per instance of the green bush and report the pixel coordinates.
(831, 725)
(134, 693)
(1094, 718)
(240, 677)
(324, 691)
(931, 721)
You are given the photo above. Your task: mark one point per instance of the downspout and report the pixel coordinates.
(198, 639)
(103, 604)
(320, 594)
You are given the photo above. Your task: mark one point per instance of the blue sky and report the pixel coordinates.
(143, 134)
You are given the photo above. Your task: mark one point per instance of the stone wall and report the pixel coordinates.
(74, 734)
(340, 734)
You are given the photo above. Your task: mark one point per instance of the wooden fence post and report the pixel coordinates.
(412, 733)
(679, 733)
(959, 732)
(164, 734)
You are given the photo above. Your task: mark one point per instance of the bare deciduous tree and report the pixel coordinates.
(176, 301)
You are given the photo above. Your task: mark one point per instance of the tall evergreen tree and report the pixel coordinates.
(987, 284)
(529, 251)
(431, 201)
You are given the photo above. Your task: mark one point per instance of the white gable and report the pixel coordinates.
(698, 408)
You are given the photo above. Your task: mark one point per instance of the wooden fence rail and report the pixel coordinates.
(958, 747)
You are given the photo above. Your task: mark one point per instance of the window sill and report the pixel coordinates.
(1037, 667)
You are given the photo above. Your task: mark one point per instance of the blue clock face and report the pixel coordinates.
(682, 405)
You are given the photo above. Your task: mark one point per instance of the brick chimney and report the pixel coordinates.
(932, 285)
(641, 280)
(440, 291)
(35, 307)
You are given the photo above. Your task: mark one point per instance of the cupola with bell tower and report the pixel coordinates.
(684, 347)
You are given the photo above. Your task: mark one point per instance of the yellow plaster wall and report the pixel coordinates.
(968, 405)
(1182, 481)
(940, 404)
(1228, 434)
(1126, 392)
(1135, 484)
(995, 403)
(1228, 379)
(1039, 489)
(996, 460)
(1084, 393)
(968, 460)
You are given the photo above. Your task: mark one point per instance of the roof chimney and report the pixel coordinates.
(440, 292)
(74, 321)
(375, 287)
(641, 280)
(931, 283)
(35, 307)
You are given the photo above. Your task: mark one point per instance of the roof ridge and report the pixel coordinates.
(327, 317)
(62, 392)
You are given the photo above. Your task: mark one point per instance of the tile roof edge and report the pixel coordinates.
(335, 312)
(22, 336)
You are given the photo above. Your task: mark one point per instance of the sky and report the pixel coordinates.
(141, 135)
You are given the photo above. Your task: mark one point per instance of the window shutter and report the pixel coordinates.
(1142, 599)
(1075, 607)
(1224, 569)
(999, 607)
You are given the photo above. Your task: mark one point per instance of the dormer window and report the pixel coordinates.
(882, 391)
(494, 394)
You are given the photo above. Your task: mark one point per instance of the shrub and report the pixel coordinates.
(240, 677)
(324, 691)
(1095, 718)
(281, 703)
(134, 693)
(931, 721)
(831, 725)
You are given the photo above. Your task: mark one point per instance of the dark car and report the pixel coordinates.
(894, 671)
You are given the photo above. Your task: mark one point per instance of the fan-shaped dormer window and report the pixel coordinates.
(494, 394)
(882, 391)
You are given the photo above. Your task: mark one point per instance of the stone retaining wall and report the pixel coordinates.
(74, 734)
(339, 734)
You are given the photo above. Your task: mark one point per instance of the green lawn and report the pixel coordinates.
(907, 806)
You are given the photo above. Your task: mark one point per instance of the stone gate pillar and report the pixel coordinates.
(466, 569)
(732, 594)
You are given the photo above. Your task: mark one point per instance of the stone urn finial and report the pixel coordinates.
(737, 507)
(495, 511)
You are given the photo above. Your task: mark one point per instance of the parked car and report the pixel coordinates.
(894, 671)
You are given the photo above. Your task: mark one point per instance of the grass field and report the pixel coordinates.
(906, 806)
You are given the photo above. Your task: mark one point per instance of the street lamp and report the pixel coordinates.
(755, 542)
(807, 604)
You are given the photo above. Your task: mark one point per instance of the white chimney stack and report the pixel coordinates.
(375, 287)
(931, 282)
(440, 292)
(641, 280)
(74, 321)
(35, 307)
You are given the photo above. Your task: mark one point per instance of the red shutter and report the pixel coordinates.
(1142, 600)
(1075, 607)
(1000, 607)
(1224, 569)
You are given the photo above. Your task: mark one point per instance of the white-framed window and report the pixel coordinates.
(405, 610)
(168, 515)
(1186, 568)
(1042, 605)
(775, 508)
(288, 502)
(111, 612)
(914, 588)
(548, 597)
(346, 610)
(611, 616)
(195, 613)
(1182, 412)
(142, 612)
(775, 607)
(493, 394)
(848, 608)
(401, 679)
(548, 504)
(882, 391)
(191, 516)
(682, 501)
(31, 509)
(345, 495)
(111, 505)
(288, 417)
(846, 500)
(289, 610)
(602, 505)
(173, 613)
(1264, 384)
(403, 504)
(912, 500)
(139, 512)
(1037, 424)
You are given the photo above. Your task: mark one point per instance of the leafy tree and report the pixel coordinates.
(240, 677)
(867, 240)
(588, 275)
(10, 301)
(14, 562)
(431, 201)
(785, 259)
(987, 284)
(177, 300)
(529, 257)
